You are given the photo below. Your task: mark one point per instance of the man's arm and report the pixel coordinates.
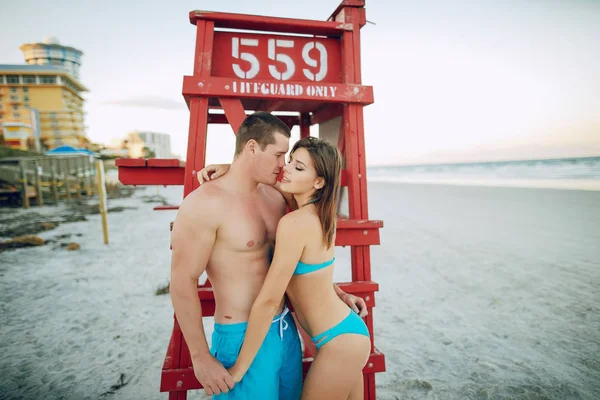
(287, 253)
(357, 304)
(192, 239)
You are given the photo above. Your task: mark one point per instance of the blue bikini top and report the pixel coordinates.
(303, 268)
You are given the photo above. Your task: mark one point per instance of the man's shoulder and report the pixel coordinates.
(271, 193)
(205, 200)
(207, 192)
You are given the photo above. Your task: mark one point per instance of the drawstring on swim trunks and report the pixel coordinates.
(283, 325)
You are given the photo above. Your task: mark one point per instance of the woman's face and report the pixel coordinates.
(299, 175)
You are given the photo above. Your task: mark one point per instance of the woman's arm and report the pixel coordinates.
(288, 250)
(212, 171)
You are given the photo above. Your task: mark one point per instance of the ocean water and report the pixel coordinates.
(567, 173)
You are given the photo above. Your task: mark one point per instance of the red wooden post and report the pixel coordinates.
(317, 80)
(304, 125)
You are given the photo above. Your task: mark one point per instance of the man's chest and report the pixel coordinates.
(250, 224)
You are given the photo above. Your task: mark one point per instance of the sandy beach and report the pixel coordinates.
(485, 293)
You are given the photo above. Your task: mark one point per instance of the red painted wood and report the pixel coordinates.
(151, 176)
(344, 5)
(174, 349)
(341, 145)
(169, 363)
(130, 162)
(276, 57)
(185, 360)
(272, 24)
(355, 15)
(357, 288)
(344, 177)
(362, 163)
(270, 106)
(234, 111)
(164, 162)
(352, 165)
(344, 223)
(304, 125)
(204, 45)
(165, 208)
(181, 395)
(268, 89)
(198, 109)
(367, 262)
(354, 138)
(327, 113)
(289, 120)
(169, 175)
(357, 237)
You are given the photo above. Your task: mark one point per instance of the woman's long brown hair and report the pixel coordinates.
(328, 164)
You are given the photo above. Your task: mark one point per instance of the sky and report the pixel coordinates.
(454, 80)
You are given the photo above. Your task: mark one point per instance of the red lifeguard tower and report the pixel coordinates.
(310, 71)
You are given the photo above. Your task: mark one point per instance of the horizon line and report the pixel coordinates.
(482, 162)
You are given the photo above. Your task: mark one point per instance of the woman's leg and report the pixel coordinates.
(334, 371)
(358, 390)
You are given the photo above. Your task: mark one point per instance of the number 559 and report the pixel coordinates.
(274, 46)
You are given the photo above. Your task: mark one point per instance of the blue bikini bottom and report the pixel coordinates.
(351, 324)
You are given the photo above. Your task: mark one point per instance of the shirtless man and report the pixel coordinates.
(228, 229)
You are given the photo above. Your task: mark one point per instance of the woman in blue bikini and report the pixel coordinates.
(302, 267)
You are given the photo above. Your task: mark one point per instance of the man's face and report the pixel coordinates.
(269, 163)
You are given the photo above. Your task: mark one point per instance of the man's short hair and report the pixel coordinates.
(262, 127)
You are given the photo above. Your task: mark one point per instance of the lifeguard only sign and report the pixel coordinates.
(263, 89)
(286, 89)
(310, 63)
(274, 66)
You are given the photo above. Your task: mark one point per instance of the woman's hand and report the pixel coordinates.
(212, 171)
(235, 373)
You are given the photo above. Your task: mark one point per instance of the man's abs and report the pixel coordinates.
(236, 282)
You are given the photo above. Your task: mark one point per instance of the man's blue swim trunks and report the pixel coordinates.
(275, 373)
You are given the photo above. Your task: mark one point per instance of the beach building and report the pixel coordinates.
(141, 144)
(41, 102)
(158, 143)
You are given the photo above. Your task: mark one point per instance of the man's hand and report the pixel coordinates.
(212, 171)
(212, 375)
(357, 304)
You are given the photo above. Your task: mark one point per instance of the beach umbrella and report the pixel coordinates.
(69, 150)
